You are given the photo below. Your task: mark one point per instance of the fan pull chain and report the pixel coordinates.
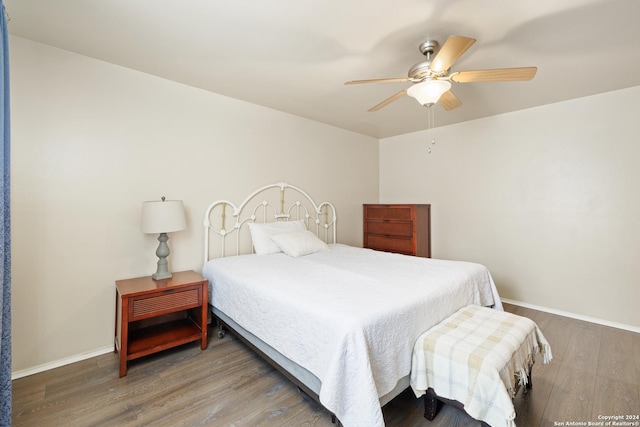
(431, 121)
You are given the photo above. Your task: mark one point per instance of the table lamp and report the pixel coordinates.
(162, 216)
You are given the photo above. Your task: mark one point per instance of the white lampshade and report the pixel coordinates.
(162, 216)
(429, 91)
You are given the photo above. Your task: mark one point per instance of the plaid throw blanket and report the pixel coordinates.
(477, 356)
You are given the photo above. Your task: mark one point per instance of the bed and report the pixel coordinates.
(337, 320)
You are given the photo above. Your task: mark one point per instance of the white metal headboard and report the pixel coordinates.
(269, 203)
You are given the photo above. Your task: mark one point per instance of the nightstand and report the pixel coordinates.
(154, 315)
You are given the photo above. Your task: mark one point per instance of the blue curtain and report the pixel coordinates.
(5, 232)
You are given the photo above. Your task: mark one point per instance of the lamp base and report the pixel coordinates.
(162, 252)
(161, 276)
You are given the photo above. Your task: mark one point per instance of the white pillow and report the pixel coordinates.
(299, 243)
(261, 234)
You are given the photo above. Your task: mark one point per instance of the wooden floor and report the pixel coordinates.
(595, 371)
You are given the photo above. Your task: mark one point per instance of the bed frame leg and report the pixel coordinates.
(431, 404)
(221, 331)
(529, 384)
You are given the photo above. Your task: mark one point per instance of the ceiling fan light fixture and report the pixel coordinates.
(429, 91)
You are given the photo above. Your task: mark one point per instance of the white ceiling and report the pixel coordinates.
(294, 56)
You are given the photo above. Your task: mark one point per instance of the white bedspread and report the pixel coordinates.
(349, 315)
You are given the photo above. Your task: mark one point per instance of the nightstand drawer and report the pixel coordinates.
(390, 228)
(165, 302)
(388, 213)
(391, 244)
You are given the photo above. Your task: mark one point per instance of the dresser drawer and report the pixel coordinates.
(165, 302)
(390, 228)
(391, 244)
(389, 213)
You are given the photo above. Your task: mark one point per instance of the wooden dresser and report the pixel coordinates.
(404, 229)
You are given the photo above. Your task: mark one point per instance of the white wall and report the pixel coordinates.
(547, 198)
(91, 141)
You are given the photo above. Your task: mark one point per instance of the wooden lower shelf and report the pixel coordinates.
(151, 339)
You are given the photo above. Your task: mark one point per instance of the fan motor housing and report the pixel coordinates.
(421, 70)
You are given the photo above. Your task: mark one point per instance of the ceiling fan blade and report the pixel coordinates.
(394, 79)
(389, 100)
(496, 75)
(449, 101)
(449, 53)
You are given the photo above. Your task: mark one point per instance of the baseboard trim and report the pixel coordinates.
(61, 362)
(574, 315)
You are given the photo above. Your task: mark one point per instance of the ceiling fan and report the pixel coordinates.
(432, 77)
